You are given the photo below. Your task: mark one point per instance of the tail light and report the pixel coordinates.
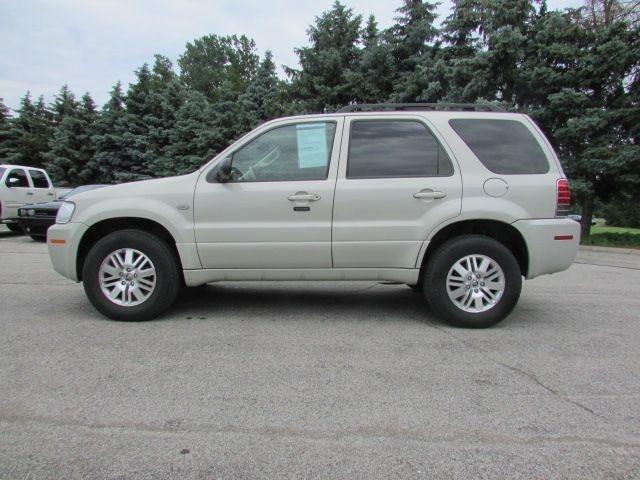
(563, 203)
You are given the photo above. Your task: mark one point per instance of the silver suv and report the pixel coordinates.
(460, 202)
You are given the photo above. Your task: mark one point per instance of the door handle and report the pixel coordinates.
(50, 194)
(429, 194)
(30, 193)
(309, 197)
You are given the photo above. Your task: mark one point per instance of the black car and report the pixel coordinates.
(35, 219)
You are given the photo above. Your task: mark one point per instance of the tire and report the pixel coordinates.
(39, 238)
(14, 227)
(146, 302)
(487, 306)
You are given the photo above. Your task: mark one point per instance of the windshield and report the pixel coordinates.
(77, 190)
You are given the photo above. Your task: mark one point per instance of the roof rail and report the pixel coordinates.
(399, 107)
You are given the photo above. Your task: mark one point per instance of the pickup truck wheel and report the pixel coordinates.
(473, 281)
(131, 275)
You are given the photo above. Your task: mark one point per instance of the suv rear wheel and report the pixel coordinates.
(131, 275)
(473, 281)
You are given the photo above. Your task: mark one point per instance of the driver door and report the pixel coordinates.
(17, 192)
(275, 211)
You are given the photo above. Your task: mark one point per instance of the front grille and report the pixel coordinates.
(46, 213)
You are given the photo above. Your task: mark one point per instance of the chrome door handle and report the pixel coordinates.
(304, 196)
(30, 193)
(432, 195)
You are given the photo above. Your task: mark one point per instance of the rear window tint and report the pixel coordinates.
(39, 179)
(503, 146)
(395, 148)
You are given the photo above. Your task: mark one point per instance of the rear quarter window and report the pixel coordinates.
(505, 147)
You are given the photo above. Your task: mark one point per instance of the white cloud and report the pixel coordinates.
(90, 44)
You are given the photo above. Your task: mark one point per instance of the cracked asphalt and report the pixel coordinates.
(319, 380)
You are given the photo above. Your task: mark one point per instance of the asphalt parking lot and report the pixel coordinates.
(319, 380)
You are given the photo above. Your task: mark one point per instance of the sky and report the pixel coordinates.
(90, 44)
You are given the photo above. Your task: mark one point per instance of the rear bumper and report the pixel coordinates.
(552, 244)
(63, 242)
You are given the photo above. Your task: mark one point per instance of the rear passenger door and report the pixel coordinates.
(397, 181)
(42, 189)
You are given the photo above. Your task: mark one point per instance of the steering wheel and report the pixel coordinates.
(249, 175)
(269, 158)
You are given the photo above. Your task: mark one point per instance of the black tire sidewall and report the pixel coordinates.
(441, 262)
(163, 259)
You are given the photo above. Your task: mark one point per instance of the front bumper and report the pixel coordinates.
(552, 244)
(63, 241)
(36, 225)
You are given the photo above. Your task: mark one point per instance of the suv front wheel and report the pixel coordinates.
(131, 275)
(472, 281)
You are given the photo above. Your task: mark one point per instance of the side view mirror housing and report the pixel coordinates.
(224, 173)
(12, 182)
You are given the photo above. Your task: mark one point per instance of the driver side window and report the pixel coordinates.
(21, 177)
(292, 152)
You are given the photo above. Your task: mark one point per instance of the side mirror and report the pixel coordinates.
(224, 173)
(12, 182)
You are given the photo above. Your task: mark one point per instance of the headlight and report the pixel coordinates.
(31, 212)
(21, 212)
(65, 212)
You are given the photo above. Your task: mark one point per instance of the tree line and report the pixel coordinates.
(576, 72)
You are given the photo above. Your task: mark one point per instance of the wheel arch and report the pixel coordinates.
(99, 229)
(502, 232)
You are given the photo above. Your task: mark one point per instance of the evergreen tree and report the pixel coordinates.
(71, 148)
(31, 132)
(212, 60)
(413, 33)
(9, 135)
(329, 66)
(194, 139)
(416, 52)
(579, 84)
(377, 70)
(135, 154)
(64, 104)
(109, 137)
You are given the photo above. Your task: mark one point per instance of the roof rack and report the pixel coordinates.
(400, 107)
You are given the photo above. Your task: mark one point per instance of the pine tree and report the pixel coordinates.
(71, 148)
(195, 137)
(9, 135)
(132, 160)
(329, 66)
(109, 137)
(31, 131)
(579, 84)
(376, 71)
(64, 104)
(416, 49)
(212, 60)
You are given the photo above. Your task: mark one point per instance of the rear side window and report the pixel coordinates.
(395, 148)
(39, 179)
(20, 175)
(503, 146)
